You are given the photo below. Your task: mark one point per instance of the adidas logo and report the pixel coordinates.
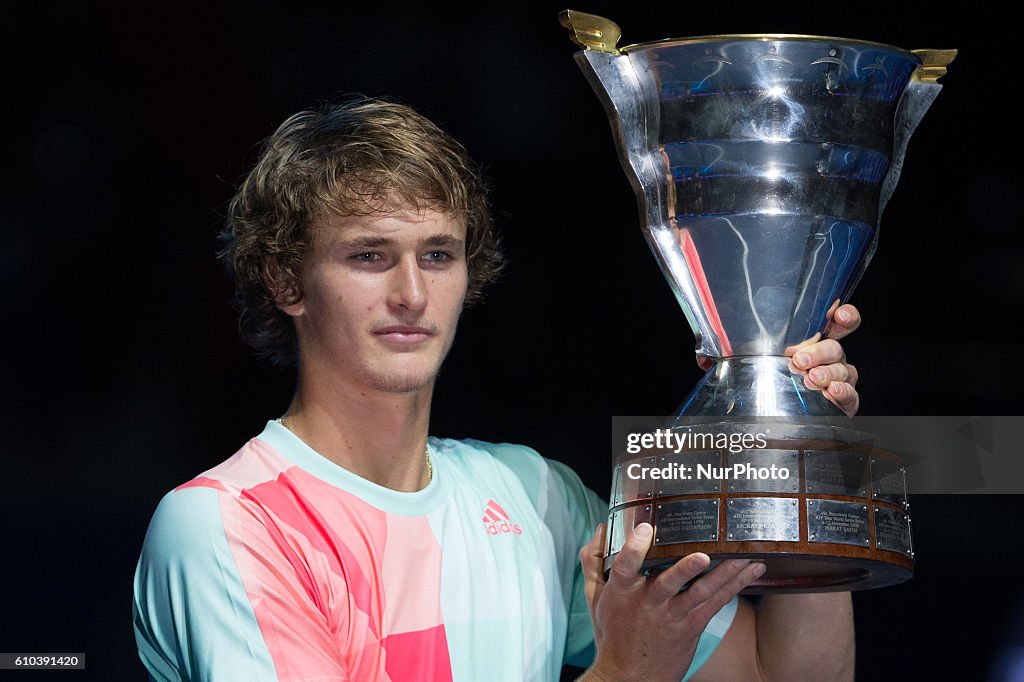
(497, 521)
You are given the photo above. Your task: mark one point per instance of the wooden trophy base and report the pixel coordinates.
(832, 518)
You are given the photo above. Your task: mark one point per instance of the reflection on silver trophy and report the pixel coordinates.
(762, 165)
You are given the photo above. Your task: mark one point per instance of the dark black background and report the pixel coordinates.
(127, 126)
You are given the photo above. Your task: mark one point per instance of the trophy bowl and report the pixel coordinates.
(762, 165)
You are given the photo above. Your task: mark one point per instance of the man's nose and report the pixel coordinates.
(408, 286)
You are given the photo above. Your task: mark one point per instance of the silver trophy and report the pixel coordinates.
(762, 165)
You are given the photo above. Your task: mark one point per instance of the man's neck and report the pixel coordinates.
(378, 435)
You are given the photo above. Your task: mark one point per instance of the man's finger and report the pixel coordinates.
(701, 589)
(823, 352)
(592, 556)
(791, 350)
(704, 588)
(703, 612)
(592, 560)
(819, 378)
(671, 580)
(845, 320)
(844, 396)
(625, 571)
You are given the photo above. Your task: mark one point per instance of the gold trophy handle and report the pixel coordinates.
(933, 65)
(590, 31)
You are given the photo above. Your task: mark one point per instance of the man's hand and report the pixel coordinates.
(822, 362)
(644, 627)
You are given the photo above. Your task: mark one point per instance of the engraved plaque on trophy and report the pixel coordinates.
(687, 521)
(762, 165)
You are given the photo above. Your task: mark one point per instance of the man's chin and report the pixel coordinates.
(401, 383)
(406, 373)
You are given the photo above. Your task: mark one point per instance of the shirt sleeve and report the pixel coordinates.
(193, 616)
(587, 510)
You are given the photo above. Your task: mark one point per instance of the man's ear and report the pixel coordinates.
(284, 286)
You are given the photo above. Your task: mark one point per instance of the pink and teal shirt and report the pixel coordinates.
(280, 565)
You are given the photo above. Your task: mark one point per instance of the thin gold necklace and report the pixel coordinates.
(426, 451)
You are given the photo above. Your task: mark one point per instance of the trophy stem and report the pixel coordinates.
(755, 386)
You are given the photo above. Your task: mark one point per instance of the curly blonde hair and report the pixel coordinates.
(347, 158)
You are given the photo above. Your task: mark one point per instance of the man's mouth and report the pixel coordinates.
(403, 334)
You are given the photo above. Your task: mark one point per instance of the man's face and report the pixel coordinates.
(382, 297)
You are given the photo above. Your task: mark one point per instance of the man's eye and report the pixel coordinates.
(366, 257)
(437, 256)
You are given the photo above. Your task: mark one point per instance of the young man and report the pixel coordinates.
(344, 544)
